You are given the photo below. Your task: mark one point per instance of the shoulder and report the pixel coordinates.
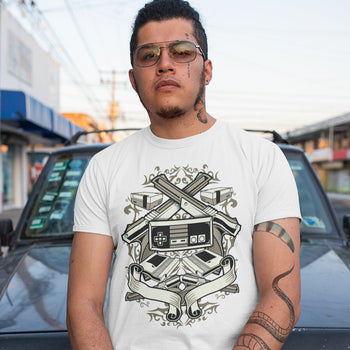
(251, 144)
(117, 149)
(112, 158)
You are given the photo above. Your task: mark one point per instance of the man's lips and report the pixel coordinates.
(166, 84)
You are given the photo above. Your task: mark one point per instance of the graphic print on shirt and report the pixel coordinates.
(180, 240)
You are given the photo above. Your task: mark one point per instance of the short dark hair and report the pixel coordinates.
(160, 10)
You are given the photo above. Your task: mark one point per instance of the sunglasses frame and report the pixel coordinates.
(167, 46)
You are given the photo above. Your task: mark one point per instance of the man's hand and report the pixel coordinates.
(276, 247)
(88, 276)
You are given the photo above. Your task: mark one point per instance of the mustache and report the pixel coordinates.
(166, 79)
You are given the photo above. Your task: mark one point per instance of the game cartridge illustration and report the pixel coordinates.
(182, 256)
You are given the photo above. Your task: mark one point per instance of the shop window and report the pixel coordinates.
(8, 157)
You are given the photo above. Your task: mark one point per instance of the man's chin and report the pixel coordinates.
(170, 112)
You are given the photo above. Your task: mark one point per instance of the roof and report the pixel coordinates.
(342, 120)
(22, 111)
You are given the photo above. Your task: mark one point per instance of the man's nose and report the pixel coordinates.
(165, 63)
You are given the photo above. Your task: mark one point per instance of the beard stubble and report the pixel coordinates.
(173, 112)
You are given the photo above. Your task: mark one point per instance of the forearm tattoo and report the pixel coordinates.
(201, 113)
(267, 322)
(252, 342)
(276, 230)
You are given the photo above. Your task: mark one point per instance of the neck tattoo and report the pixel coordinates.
(201, 113)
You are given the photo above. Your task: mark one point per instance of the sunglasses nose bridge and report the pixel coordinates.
(164, 56)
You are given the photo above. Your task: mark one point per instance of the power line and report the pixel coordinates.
(82, 38)
(276, 95)
(49, 39)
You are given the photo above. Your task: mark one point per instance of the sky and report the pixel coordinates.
(276, 64)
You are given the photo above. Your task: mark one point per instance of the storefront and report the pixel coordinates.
(25, 123)
(29, 101)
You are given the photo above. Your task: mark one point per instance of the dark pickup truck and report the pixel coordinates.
(35, 259)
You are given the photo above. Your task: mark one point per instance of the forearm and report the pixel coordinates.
(254, 338)
(90, 262)
(86, 327)
(276, 260)
(267, 328)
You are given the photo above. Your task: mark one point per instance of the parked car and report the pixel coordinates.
(35, 260)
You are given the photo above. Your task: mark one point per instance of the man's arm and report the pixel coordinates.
(276, 247)
(90, 263)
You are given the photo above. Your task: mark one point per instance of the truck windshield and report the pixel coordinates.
(53, 211)
(316, 218)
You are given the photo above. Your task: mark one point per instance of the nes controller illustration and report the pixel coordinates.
(170, 235)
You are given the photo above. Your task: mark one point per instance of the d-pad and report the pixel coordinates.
(160, 239)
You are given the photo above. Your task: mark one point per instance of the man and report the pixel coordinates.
(203, 218)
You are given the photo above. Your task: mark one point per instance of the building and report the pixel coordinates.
(29, 101)
(327, 144)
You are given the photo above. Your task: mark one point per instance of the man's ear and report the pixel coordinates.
(208, 68)
(132, 79)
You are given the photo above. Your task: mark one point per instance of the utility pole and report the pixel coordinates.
(113, 107)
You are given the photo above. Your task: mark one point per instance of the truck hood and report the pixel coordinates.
(325, 288)
(33, 294)
(33, 291)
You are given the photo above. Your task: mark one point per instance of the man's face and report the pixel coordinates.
(168, 89)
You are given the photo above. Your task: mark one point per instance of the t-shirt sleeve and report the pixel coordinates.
(90, 214)
(277, 191)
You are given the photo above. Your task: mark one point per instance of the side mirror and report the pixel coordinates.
(346, 227)
(6, 230)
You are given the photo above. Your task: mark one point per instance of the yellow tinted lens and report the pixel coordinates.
(182, 51)
(147, 55)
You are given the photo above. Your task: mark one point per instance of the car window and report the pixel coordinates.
(52, 214)
(316, 218)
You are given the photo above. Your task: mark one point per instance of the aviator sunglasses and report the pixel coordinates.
(180, 51)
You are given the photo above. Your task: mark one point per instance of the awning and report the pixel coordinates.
(22, 111)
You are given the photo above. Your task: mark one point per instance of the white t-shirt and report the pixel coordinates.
(181, 214)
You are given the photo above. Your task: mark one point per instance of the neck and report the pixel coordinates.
(181, 127)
